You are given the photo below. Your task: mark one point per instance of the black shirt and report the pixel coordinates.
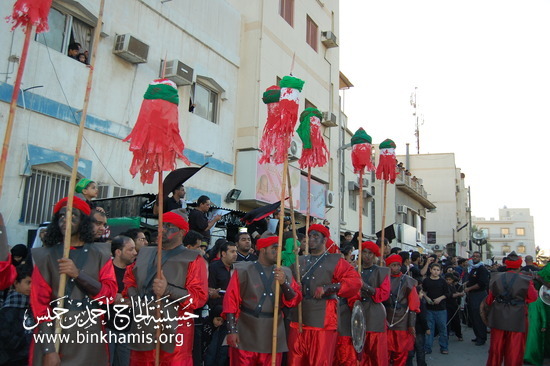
(218, 277)
(434, 289)
(198, 221)
(121, 319)
(478, 275)
(248, 258)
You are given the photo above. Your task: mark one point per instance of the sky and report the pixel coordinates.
(482, 73)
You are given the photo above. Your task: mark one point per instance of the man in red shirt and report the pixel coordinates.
(248, 306)
(7, 270)
(509, 294)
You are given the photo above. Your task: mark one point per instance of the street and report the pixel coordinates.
(460, 353)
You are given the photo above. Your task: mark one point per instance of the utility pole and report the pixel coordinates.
(419, 118)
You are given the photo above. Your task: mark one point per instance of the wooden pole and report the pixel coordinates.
(279, 256)
(72, 182)
(159, 260)
(382, 235)
(13, 104)
(360, 236)
(306, 252)
(295, 237)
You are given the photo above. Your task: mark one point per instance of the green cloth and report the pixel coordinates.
(538, 343)
(291, 82)
(387, 144)
(288, 255)
(271, 96)
(361, 137)
(304, 129)
(82, 184)
(162, 91)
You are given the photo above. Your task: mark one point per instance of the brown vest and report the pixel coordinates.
(255, 324)
(76, 352)
(375, 313)
(398, 304)
(174, 266)
(508, 311)
(315, 272)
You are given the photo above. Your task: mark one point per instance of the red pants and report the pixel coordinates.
(182, 355)
(400, 342)
(345, 354)
(506, 346)
(375, 351)
(239, 357)
(311, 347)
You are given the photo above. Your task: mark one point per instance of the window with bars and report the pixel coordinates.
(42, 190)
(312, 33)
(286, 10)
(119, 192)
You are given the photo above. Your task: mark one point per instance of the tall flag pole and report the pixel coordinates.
(26, 13)
(156, 143)
(282, 131)
(361, 158)
(387, 170)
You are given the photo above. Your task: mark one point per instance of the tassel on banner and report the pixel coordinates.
(361, 154)
(387, 164)
(288, 106)
(314, 152)
(267, 144)
(33, 12)
(155, 139)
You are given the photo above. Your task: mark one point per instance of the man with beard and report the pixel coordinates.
(249, 305)
(325, 277)
(124, 253)
(90, 280)
(183, 284)
(99, 224)
(375, 290)
(476, 291)
(244, 243)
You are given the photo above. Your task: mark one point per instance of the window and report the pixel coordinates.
(504, 231)
(521, 248)
(102, 191)
(64, 30)
(286, 10)
(42, 190)
(520, 231)
(353, 199)
(505, 249)
(119, 192)
(205, 100)
(312, 31)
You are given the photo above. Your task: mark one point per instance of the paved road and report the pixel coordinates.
(464, 353)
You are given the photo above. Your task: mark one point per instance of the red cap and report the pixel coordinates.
(394, 258)
(513, 264)
(372, 247)
(176, 219)
(266, 242)
(77, 203)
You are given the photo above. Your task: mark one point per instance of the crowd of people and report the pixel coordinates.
(216, 306)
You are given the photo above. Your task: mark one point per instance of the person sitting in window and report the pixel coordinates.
(74, 50)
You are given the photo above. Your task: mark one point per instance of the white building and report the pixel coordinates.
(223, 54)
(447, 227)
(513, 231)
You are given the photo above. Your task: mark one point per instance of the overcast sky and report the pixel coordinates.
(482, 69)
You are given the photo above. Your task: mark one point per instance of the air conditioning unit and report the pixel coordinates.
(329, 120)
(402, 209)
(178, 72)
(329, 39)
(330, 199)
(352, 186)
(365, 182)
(131, 49)
(367, 194)
(436, 247)
(295, 150)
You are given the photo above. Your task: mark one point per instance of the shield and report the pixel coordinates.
(544, 294)
(358, 326)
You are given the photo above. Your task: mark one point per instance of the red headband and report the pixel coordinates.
(266, 242)
(176, 219)
(513, 264)
(79, 204)
(394, 258)
(372, 247)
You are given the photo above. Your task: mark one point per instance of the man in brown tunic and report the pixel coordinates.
(509, 294)
(374, 291)
(90, 281)
(248, 306)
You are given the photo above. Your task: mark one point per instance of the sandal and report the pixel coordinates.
(444, 352)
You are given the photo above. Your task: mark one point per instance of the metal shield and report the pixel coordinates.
(544, 294)
(358, 326)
